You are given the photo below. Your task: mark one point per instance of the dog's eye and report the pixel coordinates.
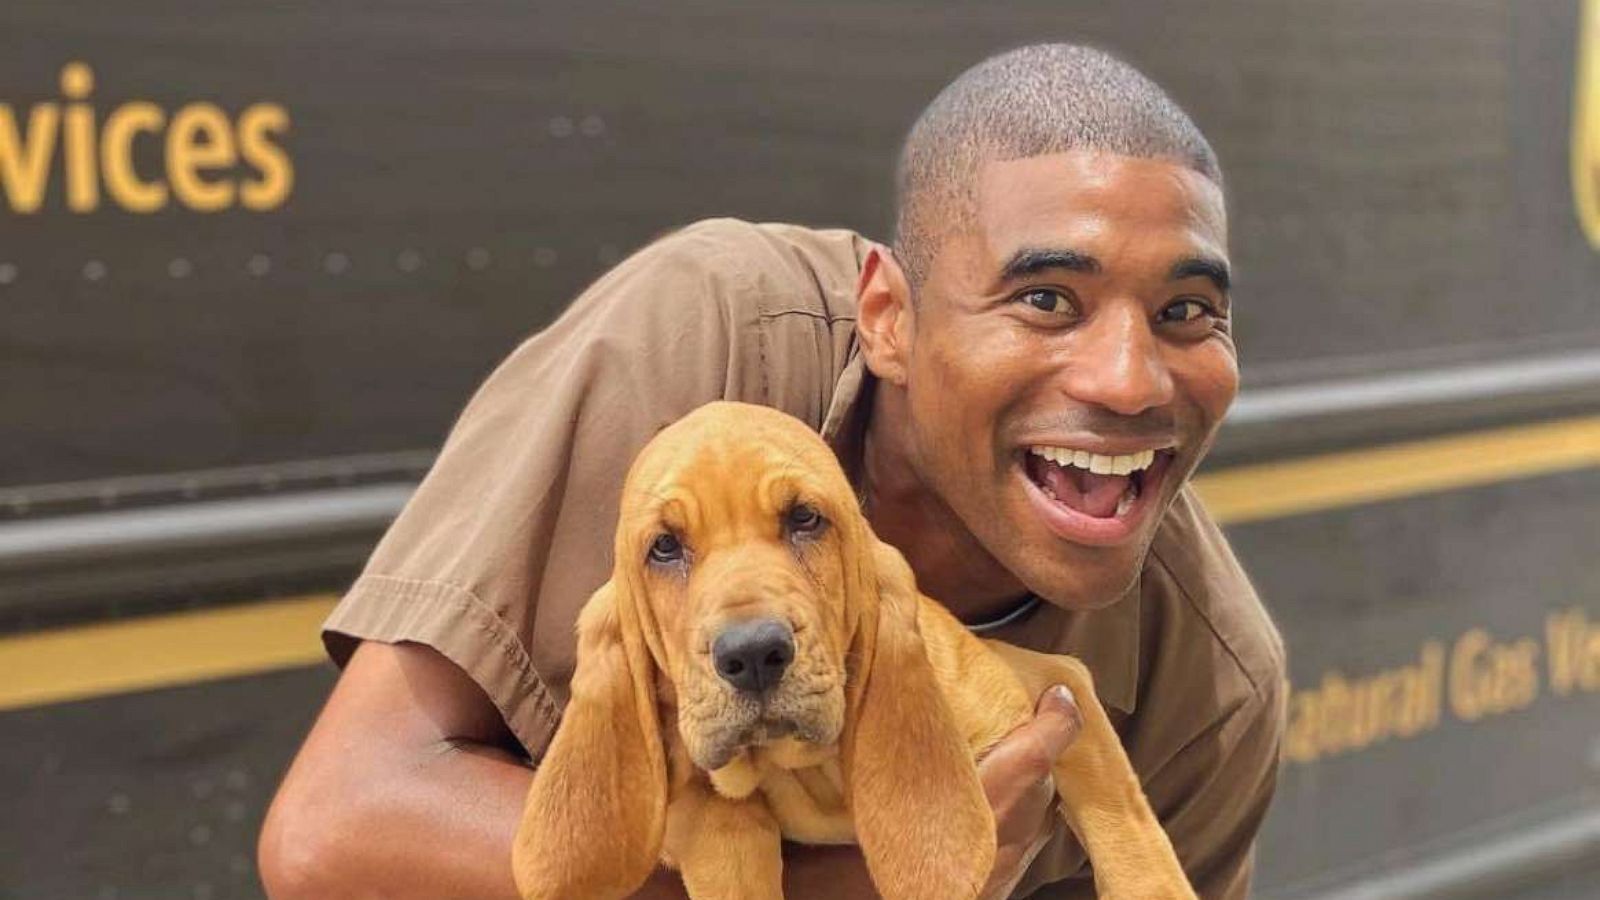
(666, 549)
(804, 518)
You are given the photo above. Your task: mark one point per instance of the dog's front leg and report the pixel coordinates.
(724, 849)
(1101, 797)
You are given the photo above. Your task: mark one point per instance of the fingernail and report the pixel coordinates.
(1058, 698)
(1067, 720)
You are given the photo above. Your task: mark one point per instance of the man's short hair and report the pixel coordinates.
(1032, 101)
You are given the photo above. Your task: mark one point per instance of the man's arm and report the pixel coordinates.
(404, 788)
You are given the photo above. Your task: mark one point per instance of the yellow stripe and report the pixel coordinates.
(1354, 477)
(159, 651)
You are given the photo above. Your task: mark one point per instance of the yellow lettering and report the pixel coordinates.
(83, 189)
(1589, 660)
(1424, 693)
(200, 138)
(77, 80)
(1558, 629)
(25, 161)
(1574, 652)
(1464, 701)
(256, 125)
(116, 157)
(1519, 671)
(1301, 742)
(1488, 678)
(203, 148)
(1333, 712)
(1343, 714)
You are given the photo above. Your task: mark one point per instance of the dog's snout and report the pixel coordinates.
(753, 655)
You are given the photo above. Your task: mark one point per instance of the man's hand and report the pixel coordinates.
(1016, 779)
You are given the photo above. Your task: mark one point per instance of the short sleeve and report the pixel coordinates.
(512, 529)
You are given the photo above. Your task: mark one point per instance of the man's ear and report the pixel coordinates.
(884, 315)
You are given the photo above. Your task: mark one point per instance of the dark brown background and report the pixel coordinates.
(1397, 175)
(1398, 181)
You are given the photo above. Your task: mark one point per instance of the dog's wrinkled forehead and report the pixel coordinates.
(733, 455)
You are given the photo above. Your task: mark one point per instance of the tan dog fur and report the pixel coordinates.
(887, 704)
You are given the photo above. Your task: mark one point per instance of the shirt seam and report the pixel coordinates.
(520, 655)
(743, 283)
(1233, 654)
(808, 313)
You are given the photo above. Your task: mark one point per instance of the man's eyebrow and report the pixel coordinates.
(1204, 267)
(1033, 260)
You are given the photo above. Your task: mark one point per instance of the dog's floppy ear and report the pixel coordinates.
(593, 820)
(920, 814)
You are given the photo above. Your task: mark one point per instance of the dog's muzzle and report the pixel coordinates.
(766, 687)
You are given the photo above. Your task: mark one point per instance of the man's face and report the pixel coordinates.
(1080, 322)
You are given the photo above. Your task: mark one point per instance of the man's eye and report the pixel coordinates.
(804, 518)
(666, 549)
(1186, 310)
(1046, 300)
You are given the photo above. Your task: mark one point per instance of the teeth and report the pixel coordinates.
(1096, 463)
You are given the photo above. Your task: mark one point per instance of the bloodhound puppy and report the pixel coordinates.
(761, 667)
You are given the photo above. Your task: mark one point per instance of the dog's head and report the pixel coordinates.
(749, 589)
(741, 539)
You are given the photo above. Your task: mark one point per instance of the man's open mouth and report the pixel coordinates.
(1096, 496)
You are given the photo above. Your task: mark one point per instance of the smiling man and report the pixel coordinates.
(1054, 373)
(1019, 391)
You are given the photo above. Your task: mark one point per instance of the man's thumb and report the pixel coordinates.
(1057, 719)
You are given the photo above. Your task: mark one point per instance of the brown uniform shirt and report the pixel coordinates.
(512, 529)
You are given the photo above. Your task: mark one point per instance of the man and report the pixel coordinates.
(1018, 390)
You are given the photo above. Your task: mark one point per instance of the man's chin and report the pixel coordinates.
(1090, 578)
(1081, 598)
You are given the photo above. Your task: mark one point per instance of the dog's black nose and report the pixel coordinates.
(752, 655)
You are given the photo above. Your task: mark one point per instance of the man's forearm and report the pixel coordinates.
(439, 825)
(446, 829)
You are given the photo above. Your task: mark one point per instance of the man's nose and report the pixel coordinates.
(753, 655)
(1117, 363)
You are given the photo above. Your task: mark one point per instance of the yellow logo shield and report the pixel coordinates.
(1586, 124)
